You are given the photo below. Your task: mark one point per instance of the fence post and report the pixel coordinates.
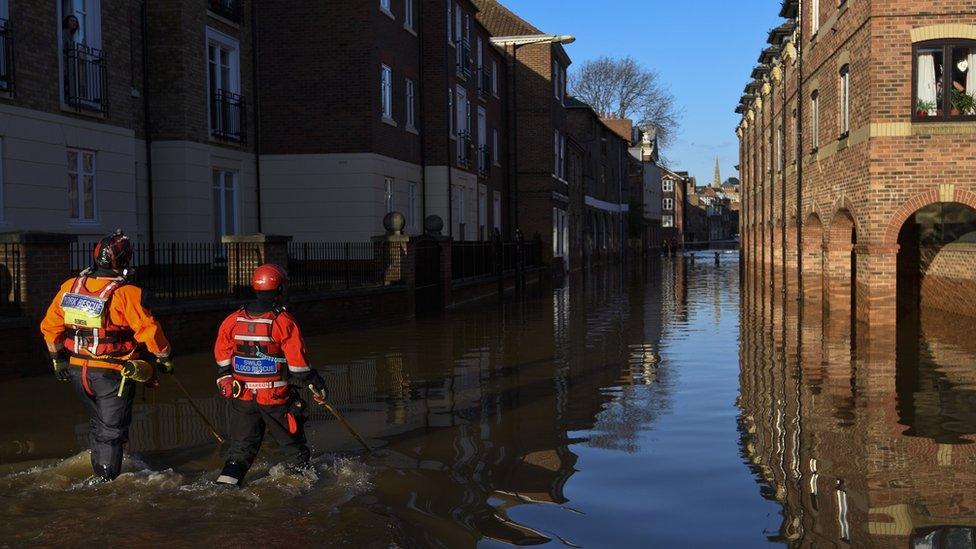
(246, 252)
(393, 246)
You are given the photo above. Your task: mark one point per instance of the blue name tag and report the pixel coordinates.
(255, 366)
(86, 304)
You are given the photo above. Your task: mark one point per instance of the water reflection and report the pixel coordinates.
(862, 441)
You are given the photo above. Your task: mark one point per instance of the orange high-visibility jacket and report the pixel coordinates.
(124, 310)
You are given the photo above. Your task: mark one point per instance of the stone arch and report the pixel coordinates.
(844, 207)
(945, 30)
(944, 193)
(840, 272)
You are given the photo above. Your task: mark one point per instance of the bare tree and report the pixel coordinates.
(622, 88)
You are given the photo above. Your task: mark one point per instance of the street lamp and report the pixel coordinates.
(517, 42)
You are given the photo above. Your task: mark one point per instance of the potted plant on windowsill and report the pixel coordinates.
(923, 108)
(962, 104)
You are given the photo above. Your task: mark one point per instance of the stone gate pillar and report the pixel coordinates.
(246, 252)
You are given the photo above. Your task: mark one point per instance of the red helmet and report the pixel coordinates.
(269, 277)
(113, 252)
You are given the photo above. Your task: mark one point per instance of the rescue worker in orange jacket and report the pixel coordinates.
(261, 360)
(95, 324)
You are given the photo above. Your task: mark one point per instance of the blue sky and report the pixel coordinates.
(703, 50)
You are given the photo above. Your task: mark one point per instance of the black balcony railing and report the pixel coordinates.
(85, 78)
(484, 83)
(228, 116)
(464, 59)
(6, 57)
(484, 161)
(230, 9)
(465, 149)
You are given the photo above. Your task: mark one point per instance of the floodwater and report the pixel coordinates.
(664, 407)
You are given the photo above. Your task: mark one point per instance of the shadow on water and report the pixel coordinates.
(866, 442)
(598, 414)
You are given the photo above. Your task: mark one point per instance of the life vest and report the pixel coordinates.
(259, 363)
(90, 332)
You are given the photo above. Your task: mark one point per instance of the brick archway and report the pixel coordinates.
(918, 202)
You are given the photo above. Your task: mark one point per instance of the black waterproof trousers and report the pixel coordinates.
(110, 416)
(247, 425)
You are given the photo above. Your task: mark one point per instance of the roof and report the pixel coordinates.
(500, 21)
(769, 54)
(781, 33)
(620, 126)
(790, 9)
(760, 71)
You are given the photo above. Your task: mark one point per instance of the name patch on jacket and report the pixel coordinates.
(83, 310)
(255, 366)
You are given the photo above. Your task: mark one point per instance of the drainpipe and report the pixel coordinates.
(454, 109)
(147, 122)
(420, 115)
(255, 85)
(799, 159)
(782, 153)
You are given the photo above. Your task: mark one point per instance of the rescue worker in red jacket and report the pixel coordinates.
(261, 360)
(95, 324)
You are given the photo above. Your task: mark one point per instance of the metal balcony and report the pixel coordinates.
(229, 9)
(228, 117)
(85, 84)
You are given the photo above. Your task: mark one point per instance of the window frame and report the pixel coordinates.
(222, 205)
(667, 185)
(815, 121)
(814, 18)
(389, 204)
(386, 92)
(667, 204)
(386, 6)
(78, 170)
(410, 94)
(408, 15)
(844, 110)
(946, 44)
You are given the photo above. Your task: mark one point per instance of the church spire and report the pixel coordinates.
(717, 182)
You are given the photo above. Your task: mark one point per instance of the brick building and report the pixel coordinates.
(538, 66)
(674, 206)
(606, 185)
(855, 137)
(646, 192)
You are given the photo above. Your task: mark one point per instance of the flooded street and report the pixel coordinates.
(660, 408)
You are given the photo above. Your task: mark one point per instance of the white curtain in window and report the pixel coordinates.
(926, 81)
(971, 75)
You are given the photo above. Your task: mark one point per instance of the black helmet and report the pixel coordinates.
(113, 252)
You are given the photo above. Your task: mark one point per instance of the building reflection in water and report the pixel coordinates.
(863, 441)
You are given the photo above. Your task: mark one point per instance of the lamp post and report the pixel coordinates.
(517, 42)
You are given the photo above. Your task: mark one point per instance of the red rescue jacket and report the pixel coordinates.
(262, 352)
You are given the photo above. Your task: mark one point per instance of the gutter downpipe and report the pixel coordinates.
(147, 120)
(799, 161)
(255, 79)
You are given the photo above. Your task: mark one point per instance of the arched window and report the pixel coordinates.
(815, 119)
(944, 81)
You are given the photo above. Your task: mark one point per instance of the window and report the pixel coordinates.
(482, 212)
(555, 153)
(407, 14)
(495, 151)
(815, 119)
(388, 194)
(386, 89)
(224, 84)
(413, 213)
(667, 221)
(559, 155)
(450, 22)
(82, 60)
(845, 101)
(797, 151)
(558, 80)
(450, 111)
(780, 149)
(81, 185)
(945, 81)
(667, 204)
(225, 216)
(494, 78)
(482, 141)
(385, 6)
(668, 185)
(814, 16)
(496, 210)
(411, 105)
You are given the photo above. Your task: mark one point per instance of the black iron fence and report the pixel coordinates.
(11, 279)
(6, 57)
(85, 78)
(486, 258)
(484, 161)
(484, 82)
(465, 148)
(228, 116)
(322, 266)
(178, 271)
(463, 58)
(231, 9)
